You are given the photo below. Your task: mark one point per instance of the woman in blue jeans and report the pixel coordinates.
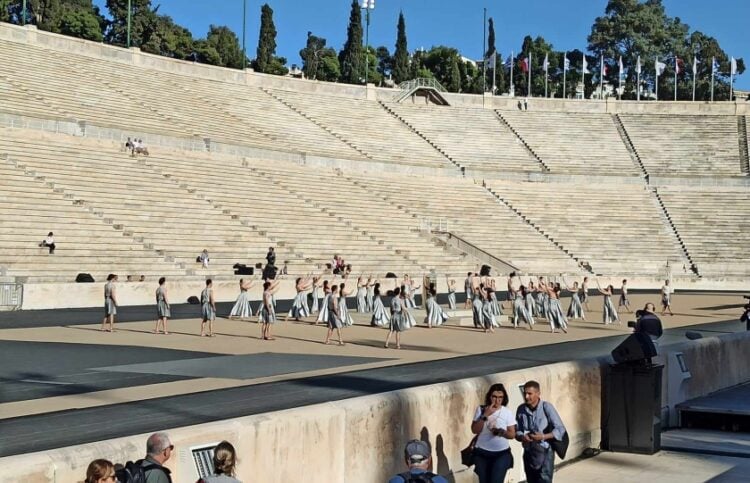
(495, 426)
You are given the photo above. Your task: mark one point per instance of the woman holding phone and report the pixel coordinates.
(495, 425)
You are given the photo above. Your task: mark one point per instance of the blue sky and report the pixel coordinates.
(457, 23)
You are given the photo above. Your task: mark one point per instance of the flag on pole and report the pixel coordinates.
(714, 66)
(695, 65)
(566, 62)
(508, 62)
(679, 65)
(638, 65)
(524, 64)
(622, 68)
(545, 66)
(585, 69)
(659, 67)
(733, 66)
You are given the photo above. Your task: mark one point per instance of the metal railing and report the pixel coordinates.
(421, 82)
(11, 296)
(440, 225)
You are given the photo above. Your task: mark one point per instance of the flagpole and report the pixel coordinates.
(512, 88)
(695, 72)
(676, 67)
(565, 71)
(484, 55)
(619, 80)
(656, 84)
(601, 78)
(731, 78)
(528, 91)
(546, 77)
(494, 72)
(713, 63)
(638, 80)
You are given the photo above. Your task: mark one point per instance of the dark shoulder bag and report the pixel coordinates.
(467, 454)
(560, 447)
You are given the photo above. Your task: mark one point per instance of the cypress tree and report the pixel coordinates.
(454, 84)
(352, 56)
(401, 55)
(490, 39)
(266, 40)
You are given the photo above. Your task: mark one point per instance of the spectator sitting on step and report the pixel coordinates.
(49, 242)
(203, 258)
(285, 268)
(129, 146)
(140, 148)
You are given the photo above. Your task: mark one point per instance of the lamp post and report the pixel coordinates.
(23, 13)
(130, 15)
(244, 25)
(367, 5)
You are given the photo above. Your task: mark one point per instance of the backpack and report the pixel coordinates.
(135, 472)
(425, 477)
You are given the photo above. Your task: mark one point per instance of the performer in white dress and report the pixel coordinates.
(609, 313)
(323, 314)
(575, 311)
(344, 315)
(299, 305)
(242, 309)
(380, 317)
(556, 316)
(666, 298)
(435, 314)
(317, 293)
(451, 294)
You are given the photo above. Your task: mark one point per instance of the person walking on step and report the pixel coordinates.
(666, 298)
(624, 300)
(110, 303)
(163, 311)
(208, 309)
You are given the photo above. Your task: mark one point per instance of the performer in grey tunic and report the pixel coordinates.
(624, 300)
(666, 298)
(317, 294)
(585, 293)
(361, 296)
(496, 308)
(398, 324)
(476, 307)
(334, 321)
(408, 319)
(241, 308)
(541, 295)
(267, 311)
(609, 313)
(452, 294)
(110, 303)
(575, 311)
(529, 299)
(162, 307)
(344, 314)
(380, 317)
(435, 314)
(520, 313)
(370, 300)
(556, 317)
(299, 305)
(323, 314)
(208, 309)
(469, 290)
(488, 314)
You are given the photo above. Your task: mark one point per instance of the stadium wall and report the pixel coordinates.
(362, 439)
(30, 35)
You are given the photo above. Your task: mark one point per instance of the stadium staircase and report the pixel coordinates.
(523, 142)
(629, 143)
(742, 128)
(420, 134)
(502, 200)
(317, 123)
(667, 220)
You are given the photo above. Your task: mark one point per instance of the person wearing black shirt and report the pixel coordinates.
(271, 256)
(648, 322)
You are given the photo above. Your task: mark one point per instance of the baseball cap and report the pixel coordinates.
(417, 451)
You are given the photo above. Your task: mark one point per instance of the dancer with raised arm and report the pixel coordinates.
(609, 313)
(488, 314)
(162, 306)
(267, 311)
(409, 319)
(370, 300)
(624, 300)
(451, 293)
(208, 309)
(344, 315)
(317, 283)
(361, 295)
(380, 316)
(542, 299)
(496, 308)
(531, 307)
(575, 311)
(323, 314)
(476, 306)
(666, 298)
(585, 293)
(242, 309)
(520, 312)
(333, 322)
(299, 305)
(435, 314)
(556, 317)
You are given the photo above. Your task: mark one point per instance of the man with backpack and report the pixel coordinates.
(418, 456)
(542, 434)
(150, 469)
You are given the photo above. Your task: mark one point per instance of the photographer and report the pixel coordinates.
(648, 322)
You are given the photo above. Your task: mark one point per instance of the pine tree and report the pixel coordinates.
(351, 57)
(401, 55)
(266, 40)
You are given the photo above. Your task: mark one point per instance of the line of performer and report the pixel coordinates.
(327, 302)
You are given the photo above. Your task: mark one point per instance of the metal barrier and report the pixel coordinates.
(11, 296)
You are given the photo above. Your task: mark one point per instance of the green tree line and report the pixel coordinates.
(628, 29)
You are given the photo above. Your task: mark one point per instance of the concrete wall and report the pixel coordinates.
(361, 439)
